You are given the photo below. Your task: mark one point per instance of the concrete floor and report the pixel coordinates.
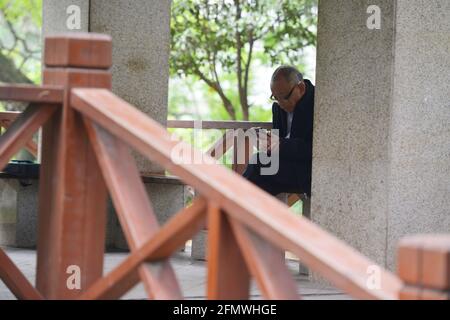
(191, 275)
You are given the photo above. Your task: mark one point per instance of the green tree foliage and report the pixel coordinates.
(20, 48)
(20, 45)
(216, 41)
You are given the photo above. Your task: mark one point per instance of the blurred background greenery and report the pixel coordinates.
(20, 50)
(20, 44)
(222, 52)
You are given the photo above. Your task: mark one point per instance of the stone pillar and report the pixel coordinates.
(58, 15)
(419, 186)
(141, 44)
(8, 210)
(381, 160)
(140, 31)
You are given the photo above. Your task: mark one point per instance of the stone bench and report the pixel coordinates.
(167, 196)
(19, 209)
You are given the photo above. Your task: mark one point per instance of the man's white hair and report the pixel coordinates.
(289, 73)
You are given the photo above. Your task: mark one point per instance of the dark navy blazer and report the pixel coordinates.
(297, 150)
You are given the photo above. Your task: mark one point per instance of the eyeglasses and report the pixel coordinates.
(272, 97)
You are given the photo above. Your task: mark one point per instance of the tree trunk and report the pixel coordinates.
(10, 74)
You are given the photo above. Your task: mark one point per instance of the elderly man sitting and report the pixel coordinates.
(292, 115)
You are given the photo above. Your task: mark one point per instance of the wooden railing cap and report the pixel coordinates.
(80, 36)
(427, 241)
(78, 50)
(424, 261)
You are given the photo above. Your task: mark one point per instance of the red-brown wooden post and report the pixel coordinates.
(242, 151)
(228, 275)
(424, 266)
(72, 196)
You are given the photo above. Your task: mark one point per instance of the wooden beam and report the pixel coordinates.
(266, 263)
(228, 276)
(133, 208)
(211, 124)
(21, 131)
(14, 279)
(292, 199)
(72, 191)
(30, 146)
(222, 145)
(78, 50)
(171, 236)
(33, 94)
(424, 265)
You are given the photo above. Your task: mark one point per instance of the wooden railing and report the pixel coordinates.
(87, 133)
(231, 139)
(6, 118)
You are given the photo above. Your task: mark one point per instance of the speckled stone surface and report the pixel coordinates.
(8, 210)
(381, 166)
(54, 16)
(141, 43)
(200, 245)
(18, 212)
(419, 199)
(351, 125)
(27, 214)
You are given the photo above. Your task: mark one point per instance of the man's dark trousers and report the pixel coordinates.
(284, 180)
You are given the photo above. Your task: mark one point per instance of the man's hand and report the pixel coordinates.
(274, 144)
(268, 142)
